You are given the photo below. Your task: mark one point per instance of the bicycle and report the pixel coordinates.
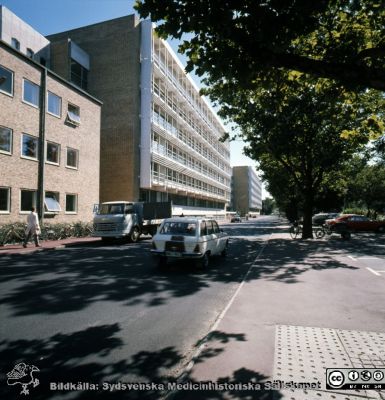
(295, 230)
(321, 231)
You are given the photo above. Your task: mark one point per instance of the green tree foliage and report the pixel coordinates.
(301, 131)
(366, 188)
(242, 40)
(268, 206)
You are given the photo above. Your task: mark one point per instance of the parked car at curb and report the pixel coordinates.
(236, 218)
(357, 223)
(320, 218)
(189, 238)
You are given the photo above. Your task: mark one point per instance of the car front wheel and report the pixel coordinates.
(203, 262)
(381, 229)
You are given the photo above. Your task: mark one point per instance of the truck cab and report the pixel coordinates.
(117, 219)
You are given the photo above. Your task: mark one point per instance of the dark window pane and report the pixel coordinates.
(30, 146)
(72, 158)
(4, 199)
(28, 200)
(6, 80)
(53, 150)
(71, 202)
(5, 140)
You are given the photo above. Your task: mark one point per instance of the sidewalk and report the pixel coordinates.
(281, 326)
(45, 245)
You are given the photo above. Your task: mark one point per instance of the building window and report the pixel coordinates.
(71, 203)
(29, 147)
(15, 43)
(79, 75)
(6, 81)
(30, 53)
(72, 158)
(27, 200)
(5, 140)
(51, 202)
(31, 93)
(54, 104)
(73, 114)
(53, 153)
(5, 200)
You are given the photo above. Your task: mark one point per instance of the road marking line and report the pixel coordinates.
(368, 258)
(352, 258)
(373, 272)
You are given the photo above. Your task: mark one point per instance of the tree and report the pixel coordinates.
(367, 188)
(268, 206)
(302, 130)
(242, 40)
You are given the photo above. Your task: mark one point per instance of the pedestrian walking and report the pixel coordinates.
(33, 228)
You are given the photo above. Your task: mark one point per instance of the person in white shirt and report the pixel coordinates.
(33, 228)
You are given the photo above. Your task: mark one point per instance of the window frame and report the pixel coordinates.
(69, 118)
(58, 153)
(15, 43)
(30, 53)
(34, 200)
(61, 102)
(12, 81)
(77, 158)
(11, 141)
(25, 80)
(76, 203)
(8, 189)
(37, 148)
(56, 197)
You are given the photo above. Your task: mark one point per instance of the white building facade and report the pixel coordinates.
(182, 157)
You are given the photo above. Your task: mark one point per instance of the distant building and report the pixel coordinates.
(246, 190)
(159, 137)
(49, 132)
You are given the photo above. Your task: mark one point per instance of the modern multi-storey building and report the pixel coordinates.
(49, 132)
(159, 137)
(246, 190)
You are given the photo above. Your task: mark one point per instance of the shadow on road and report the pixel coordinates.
(60, 281)
(74, 358)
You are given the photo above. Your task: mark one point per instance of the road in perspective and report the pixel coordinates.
(275, 311)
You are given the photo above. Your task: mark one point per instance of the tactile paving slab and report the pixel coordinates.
(302, 354)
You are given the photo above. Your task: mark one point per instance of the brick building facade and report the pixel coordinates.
(38, 108)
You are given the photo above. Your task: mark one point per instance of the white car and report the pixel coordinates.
(192, 238)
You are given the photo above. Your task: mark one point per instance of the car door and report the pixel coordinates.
(211, 237)
(219, 240)
(203, 237)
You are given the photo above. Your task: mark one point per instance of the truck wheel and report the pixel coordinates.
(134, 235)
(203, 262)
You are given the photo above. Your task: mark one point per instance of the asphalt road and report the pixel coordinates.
(96, 313)
(106, 313)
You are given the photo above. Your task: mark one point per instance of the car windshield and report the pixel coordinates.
(115, 209)
(179, 228)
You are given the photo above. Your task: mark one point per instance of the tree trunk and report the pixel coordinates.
(307, 231)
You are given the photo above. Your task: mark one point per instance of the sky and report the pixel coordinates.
(53, 16)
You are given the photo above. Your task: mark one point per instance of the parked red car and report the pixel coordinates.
(356, 223)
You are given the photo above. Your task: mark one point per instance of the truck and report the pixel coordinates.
(128, 219)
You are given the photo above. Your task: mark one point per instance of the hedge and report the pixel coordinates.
(15, 232)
